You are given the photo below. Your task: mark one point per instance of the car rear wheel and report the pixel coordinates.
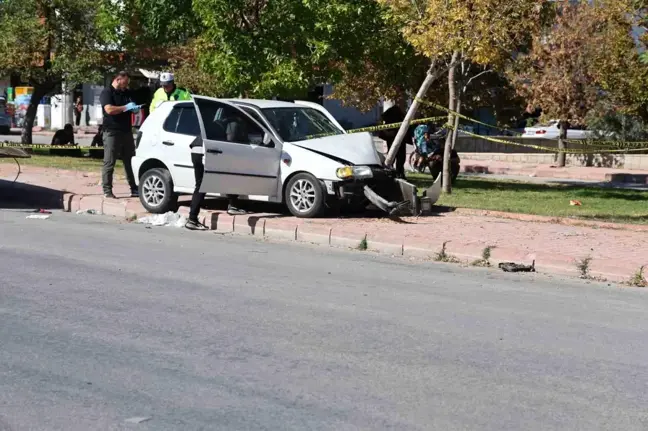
(156, 191)
(5, 130)
(304, 196)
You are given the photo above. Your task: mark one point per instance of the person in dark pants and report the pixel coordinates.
(197, 154)
(390, 116)
(117, 106)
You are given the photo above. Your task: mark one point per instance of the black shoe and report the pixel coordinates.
(195, 225)
(109, 195)
(135, 193)
(232, 210)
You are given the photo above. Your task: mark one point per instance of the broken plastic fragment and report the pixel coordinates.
(39, 216)
(168, 219)
(89, 211)
(516, 267)
(138, 420)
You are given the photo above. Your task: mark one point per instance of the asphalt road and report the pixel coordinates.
(103, 322)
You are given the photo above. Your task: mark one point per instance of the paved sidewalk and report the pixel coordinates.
(617, 251)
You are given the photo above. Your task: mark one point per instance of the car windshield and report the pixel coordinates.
(299, 124)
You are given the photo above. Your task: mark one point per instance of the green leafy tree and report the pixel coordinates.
(282, 48)
(589, 54)
(460, 33)
(47, 42)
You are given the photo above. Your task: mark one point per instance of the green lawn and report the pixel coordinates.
(607, 204)
(44, 159)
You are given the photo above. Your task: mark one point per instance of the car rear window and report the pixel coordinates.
(188, 123)
(182, 120)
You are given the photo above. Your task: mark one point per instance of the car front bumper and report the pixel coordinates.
(384, 190)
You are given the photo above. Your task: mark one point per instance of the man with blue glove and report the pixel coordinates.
(117, 105)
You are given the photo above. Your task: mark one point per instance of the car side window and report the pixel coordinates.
(225, 123)
(171, 122)
(188, 122)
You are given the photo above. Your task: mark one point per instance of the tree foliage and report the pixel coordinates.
(46, 42)
(486, 32)
(281, 48)
(587, 55)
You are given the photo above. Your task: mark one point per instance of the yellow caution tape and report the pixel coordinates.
(49, 147)
(604, 146)
(472, 120)
(552, 149)
(381, 127)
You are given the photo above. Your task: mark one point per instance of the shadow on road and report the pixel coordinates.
(17, 195)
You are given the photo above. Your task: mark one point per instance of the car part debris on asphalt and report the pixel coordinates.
(168, 219)
(516, 267)
(138, 420)
(39, 216)
(88, 211)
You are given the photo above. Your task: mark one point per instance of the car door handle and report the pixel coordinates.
(215, 151)
(169, 143)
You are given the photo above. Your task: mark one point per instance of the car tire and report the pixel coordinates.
(156, 191)
(304, 196)
(5, 130)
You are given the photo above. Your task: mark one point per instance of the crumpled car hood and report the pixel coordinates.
(355, 148)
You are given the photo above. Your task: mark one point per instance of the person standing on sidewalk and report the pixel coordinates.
(197, 153)
(117, 106)
(78, 110)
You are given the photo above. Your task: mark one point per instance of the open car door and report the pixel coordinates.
(241, 157)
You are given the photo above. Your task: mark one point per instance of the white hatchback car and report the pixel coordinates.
(295, 153)
(551, 130)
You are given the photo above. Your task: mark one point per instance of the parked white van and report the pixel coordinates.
(295, 153)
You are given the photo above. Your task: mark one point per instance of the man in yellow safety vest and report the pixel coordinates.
(168, 91)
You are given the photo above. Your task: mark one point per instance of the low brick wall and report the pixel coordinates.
(481, 149)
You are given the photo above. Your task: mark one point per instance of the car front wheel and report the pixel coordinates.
(156, 191)
(304, 196)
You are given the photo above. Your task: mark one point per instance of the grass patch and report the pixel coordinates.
(443, 256)
(605, 204)
(583, 267)
(42, 158)
(638, 279)
(485, 259)
(363, 245)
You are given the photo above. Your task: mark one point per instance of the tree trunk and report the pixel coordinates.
(562, 145)
(447, 151)
(404, 128)
(455, 132)
(39, 92)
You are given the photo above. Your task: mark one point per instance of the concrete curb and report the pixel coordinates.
(268, 226)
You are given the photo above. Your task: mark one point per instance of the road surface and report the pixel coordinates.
(106, 324)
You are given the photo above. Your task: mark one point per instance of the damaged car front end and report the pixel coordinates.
(379, 186)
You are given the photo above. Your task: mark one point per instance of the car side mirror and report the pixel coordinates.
(267, 140)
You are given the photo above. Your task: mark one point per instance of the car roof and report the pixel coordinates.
(259, 103)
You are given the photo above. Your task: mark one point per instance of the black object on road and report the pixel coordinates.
(516, 267)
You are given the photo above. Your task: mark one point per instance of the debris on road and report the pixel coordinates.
(516, 267)
(88, 211)
(138, 420)
(168, 219)
(43, 211)
(39, 216)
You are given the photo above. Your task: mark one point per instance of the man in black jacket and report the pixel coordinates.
(390, 116)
